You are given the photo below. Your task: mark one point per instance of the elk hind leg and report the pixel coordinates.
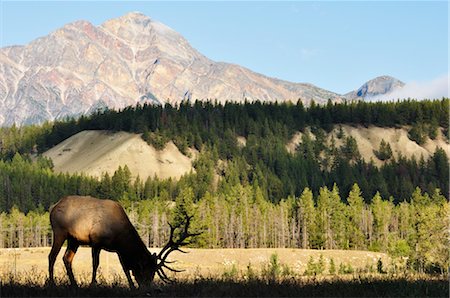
(58, 240)
(72, 247)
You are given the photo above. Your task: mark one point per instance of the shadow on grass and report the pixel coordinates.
(358, 287)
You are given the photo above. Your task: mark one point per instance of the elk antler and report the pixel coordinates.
(173, 246)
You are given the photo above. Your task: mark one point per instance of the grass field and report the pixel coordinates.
(219, 273)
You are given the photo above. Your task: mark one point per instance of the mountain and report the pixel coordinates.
(80, 68)
(378, 86)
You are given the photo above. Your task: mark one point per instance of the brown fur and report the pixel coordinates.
(101, 224)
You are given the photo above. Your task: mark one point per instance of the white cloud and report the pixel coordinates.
(434, 89)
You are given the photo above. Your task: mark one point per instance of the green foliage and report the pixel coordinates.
(272, 271)
(242, 218)
(345, 269)
(264, 160)
(418, 133)
(332, 269)
(315, 268)
(350, 149)
(258, 195)
(399, 248)
(155, 139)
(231, 274)
(384, 152)
(251, 274)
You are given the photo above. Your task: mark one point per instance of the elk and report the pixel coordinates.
(103, 224)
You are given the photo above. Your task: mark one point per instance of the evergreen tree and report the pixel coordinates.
(307, 215)
(356, 218)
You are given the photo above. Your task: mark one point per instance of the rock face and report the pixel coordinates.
(81, 67)
(378, 86)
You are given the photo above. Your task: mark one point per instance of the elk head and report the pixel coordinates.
(158, 263)
(145, 273)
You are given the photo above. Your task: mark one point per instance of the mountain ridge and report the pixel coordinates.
(80, 67)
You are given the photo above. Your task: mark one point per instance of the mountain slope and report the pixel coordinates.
(81, 67)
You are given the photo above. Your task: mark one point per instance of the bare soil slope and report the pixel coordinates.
(369, 139)
(96, 152)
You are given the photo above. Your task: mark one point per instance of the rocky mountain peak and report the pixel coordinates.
(133, 58)
(377, 86)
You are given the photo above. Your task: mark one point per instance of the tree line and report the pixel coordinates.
(213, 129)
(414, 230)
(205, 122)
(30, 185)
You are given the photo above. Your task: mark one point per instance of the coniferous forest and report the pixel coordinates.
(257, 195)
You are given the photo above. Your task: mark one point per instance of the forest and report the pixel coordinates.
(258, 195)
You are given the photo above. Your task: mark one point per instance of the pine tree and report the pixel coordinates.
(355, 214)
(307, 215)
(382, 213)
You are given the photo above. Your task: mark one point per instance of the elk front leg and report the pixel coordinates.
(127, 273)
(95, 263)
(72, 247)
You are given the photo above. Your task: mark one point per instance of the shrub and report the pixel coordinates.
(287, 271)
(340, 133)
(332, 269)
(155, 139)
(251, 274)
(313, 268)
(230, 274)
(418, 133)
(273, 270)
(345, 268)
(384, 152)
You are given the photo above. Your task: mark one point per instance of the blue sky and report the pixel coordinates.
(334, 45)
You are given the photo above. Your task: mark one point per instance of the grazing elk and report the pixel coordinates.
(103, 224)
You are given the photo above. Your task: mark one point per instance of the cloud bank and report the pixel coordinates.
(434, 89)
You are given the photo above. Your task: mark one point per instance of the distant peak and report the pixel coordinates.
(132, 18)
(385, 78)
(79, 23)
(377, 86)
(136, 16)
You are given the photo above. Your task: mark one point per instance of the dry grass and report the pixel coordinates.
(204, 262)
(215, 273)
(355, 286)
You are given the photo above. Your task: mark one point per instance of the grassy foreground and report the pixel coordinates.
(224, 273)
(206, 287)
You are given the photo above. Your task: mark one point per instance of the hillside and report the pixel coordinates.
(369, 139)
(96, 152)
(238, 144)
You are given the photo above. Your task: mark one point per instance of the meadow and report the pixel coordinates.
(225, 273)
